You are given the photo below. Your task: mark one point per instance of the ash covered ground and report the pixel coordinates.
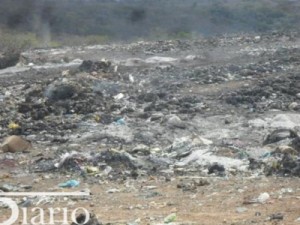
(141, 120)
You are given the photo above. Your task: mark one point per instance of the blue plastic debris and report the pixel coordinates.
(120, 121)
(266, 155)
(69, 183)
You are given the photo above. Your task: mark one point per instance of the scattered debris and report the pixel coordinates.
(192, 184)
(241, 209)
(277, 216)
(98, 66)
(113, 190)
(92, 170)
(71, 161)
(262, 199)
(176, 122)
(9, 188)
(69, 184)
(13, 126)
(279, 135)
(120, 121)
(217, 169)
(170, 218)
(82, 219)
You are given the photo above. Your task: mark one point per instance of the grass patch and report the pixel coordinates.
(12, 44)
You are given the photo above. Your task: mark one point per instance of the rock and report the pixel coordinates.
(175, 122)
(82, 218)
(15, 144)
(293, 106)
(263, 198)
(298, 95)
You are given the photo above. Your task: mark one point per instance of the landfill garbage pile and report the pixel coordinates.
(272, 93)
(284, 160)
(142, 109)
(194, 112)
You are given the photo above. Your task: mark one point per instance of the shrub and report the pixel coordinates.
(12, 45)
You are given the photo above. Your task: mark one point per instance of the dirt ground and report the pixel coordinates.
(151, 199)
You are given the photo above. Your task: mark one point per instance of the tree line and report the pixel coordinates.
(126, 19)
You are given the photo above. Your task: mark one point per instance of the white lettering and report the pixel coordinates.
(40, 218)
(14, 211)
(39, 215)
(87, 216)
(54, 211)
(25, 217)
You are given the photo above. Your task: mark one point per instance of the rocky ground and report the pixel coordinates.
(204, 129)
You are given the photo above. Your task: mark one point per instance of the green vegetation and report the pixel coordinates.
(12, 44)
(16, 41)
(52, 23)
